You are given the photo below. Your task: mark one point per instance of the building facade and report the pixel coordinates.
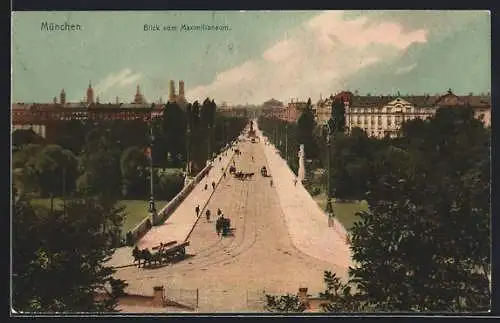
(40, 117)
(381, 116)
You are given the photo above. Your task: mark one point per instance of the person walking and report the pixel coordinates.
(295, 181)
(207, 214)
(218, 226)
(271, 182)
(197, 209)
(213, 186)
(206, 186)
(219, 212)
(224, 175)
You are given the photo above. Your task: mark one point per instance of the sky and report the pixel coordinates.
(260, 55)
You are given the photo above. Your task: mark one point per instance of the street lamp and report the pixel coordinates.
(329, 207)
(152, 207)
(209, 150)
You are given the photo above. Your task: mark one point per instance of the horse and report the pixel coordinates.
(136, 253)
(146, 256)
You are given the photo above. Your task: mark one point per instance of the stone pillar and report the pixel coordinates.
(158, 296)
(303, 295)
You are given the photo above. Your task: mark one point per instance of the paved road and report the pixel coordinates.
(180, 223)
(229, 272)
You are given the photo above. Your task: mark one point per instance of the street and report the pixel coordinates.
(229, 272)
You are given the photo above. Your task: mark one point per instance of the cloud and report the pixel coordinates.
(115, 81)
(317, 57)
(405, 69)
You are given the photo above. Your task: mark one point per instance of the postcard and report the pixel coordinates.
(251, 162)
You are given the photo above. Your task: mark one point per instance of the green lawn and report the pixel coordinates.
(345, 212)
(136, 210)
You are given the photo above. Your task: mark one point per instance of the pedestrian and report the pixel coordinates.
(197, 209)
(217, 226)
(271, 183)
(219, 212)
(213, 185)
(295, 181)
(206, 186)
(220, 158)
(252, 158)
(224, 175)
(207, 214)
(222, 169)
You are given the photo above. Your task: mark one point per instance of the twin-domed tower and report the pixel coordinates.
(180, 98)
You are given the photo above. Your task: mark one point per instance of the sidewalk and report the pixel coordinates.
(181, 222)
(307, 223)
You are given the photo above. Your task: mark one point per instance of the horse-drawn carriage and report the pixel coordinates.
(223, 226)
(243, 176)
(263, 171)
(165, 253)
(232, 169)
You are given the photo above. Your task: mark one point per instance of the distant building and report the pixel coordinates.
(383, 115)
(40, 117)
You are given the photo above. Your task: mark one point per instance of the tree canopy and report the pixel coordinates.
(59, 257)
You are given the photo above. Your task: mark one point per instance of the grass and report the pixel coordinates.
(345, 212)
(136, 210)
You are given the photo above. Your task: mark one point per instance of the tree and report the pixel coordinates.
(288, 303)
(431, 195)
(338, 115)
(339, 296)
(99, 164)
(133, 164)
(174, 131)
(22, 137)
(59, 257)
(53, 169)
(305, 129)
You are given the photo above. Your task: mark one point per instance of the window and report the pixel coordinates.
(398, 120)
(379, 120)
(389, 110)
(408, 110)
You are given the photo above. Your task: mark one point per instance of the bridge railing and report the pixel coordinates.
(145, 225)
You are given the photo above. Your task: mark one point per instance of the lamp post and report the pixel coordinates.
(152, 207)
(329, 207)
(209, 152)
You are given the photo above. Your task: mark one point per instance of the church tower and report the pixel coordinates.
(171, 94)
(90, 94)
(181, 90)
(138, 96)
(62, 97)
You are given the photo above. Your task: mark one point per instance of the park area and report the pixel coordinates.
(345, 212)
(135, 210)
